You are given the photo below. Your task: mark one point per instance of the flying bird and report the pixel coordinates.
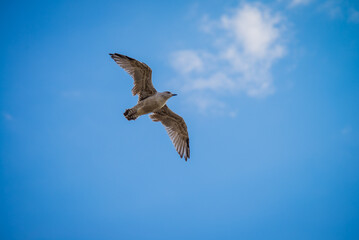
(151, 101)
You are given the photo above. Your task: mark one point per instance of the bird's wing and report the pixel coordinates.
(176, 129)
(140, 72)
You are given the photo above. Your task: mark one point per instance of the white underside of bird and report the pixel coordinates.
(148, 105)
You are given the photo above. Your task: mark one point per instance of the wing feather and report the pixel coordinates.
(140, 72)
(176, 129)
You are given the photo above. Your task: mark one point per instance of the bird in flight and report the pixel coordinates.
(151, 101)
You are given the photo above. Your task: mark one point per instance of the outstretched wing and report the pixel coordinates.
(140, 72)
(176, 129)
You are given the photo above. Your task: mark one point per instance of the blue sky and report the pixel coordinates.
(269, 91)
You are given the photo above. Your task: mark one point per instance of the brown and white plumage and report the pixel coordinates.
(150, 101)
(141, 74)
(176, 129)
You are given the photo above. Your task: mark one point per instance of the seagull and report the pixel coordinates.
(151, 101)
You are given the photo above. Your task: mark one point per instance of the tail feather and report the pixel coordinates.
(130, 114)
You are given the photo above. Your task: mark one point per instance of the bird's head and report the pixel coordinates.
(168, 94)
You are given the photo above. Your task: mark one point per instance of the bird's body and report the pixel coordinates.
(151, 101)
(147, 105)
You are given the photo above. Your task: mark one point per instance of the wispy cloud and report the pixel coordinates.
(187, 61)
(338, 9)
(71, 94)
(333, 8)
(353, 15)
(347, 130)
(246, 43)
(7, 116)
(295, 3)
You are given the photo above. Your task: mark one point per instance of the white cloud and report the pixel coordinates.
(187, 61)
(207, 104)
(246, 43)
(253, 29)
(217, 81)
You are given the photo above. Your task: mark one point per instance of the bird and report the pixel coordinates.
(151, 101)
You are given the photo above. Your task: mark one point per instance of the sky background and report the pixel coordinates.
(269, 91)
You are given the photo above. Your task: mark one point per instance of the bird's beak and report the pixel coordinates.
(174, 94)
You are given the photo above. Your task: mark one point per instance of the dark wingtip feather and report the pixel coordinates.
(129, 58)
(121, 55)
